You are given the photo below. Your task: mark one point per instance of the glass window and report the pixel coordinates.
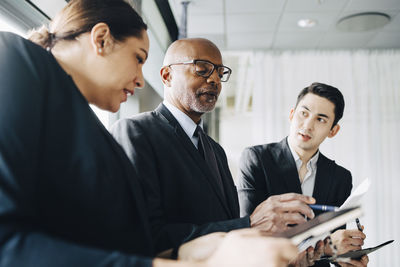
(8, 27)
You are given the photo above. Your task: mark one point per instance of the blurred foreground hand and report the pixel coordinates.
(246, 247)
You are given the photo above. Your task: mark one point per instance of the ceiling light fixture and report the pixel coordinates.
(306, 23)
(361, 22)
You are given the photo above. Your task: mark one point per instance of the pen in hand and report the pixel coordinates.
(323, 207)
(359, 225)
(333, 208)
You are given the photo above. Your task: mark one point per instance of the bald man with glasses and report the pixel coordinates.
(185, 175)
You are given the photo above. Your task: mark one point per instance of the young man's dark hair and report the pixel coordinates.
(329, 92)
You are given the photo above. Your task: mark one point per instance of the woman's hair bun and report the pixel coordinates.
(42, 37)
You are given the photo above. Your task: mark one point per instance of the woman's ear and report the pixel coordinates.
(101, 39)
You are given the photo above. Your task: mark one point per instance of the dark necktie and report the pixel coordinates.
(206, 150)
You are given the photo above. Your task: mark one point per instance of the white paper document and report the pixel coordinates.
(354, 199)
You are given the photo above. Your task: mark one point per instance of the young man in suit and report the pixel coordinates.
(296, 165)
(185, 175)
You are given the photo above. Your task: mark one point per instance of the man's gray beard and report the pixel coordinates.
(195, 105)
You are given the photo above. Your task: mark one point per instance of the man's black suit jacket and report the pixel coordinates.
(270, 169)
(183, 197)
(267, 170)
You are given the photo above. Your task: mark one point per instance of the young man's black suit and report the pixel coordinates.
(183, 197)
(267, 170)
(270, 169)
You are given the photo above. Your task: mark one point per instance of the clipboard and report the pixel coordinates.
(356, 254)
(320, 225)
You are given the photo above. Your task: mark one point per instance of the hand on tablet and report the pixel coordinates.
(347, 240)
(309, 256)
(277, 212)
(363, 262)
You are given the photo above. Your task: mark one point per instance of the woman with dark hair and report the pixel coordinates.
(68, 193)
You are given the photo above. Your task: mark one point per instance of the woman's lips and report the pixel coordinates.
(129, 92)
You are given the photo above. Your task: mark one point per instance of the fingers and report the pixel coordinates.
(355, 233)
(294, 196)
(350, 241)
(296, 206)
(275, 213)
(314, 254)
(273, 222)
(363, 262)
(247, 232)
(308, 256)
(355, 242)
(300, 260)
(310, 252)
(353, 247)
(328, 246)
(351, 263)
(293, 218)
(200, 248)
(249, 248)
(288, 250)
(290, 202)
(343, 248)
(347, 240)
(319, 250)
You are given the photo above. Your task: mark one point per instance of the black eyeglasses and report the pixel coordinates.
(205, 68)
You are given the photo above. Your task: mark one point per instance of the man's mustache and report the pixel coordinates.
(208, 90)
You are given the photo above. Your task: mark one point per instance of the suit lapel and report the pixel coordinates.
(179, 132)
(323, 180)
(287, 167)
(231, 199)
(194, 153)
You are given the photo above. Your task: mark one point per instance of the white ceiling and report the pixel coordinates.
(50, 9)
(272, 24)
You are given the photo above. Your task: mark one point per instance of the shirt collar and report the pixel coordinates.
(312, 163)
(187, 124)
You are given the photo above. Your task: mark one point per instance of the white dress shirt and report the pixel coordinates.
(307, 186)
(187, 124)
